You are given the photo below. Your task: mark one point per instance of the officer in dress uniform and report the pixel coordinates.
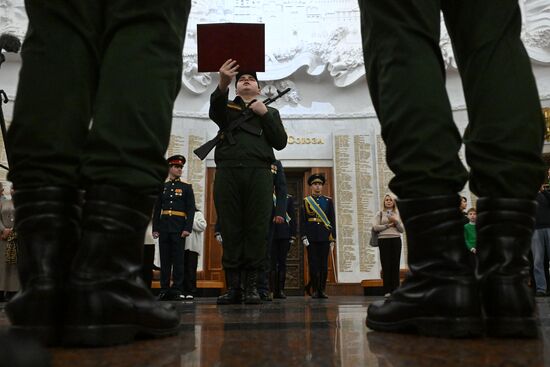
(172, 223)
(318, 229)
(266, 278)
(284, 235)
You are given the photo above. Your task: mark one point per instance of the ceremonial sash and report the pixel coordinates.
(318, 211)
(287, 217)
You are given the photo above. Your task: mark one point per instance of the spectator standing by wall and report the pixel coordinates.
(540, 243)
(9, 279)
(389, 227)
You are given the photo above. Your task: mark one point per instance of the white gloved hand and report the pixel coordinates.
(219, 238)
(332, 244)
(305, 242)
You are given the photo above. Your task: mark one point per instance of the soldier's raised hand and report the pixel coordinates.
(227, 72)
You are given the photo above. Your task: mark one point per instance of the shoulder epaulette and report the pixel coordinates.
(234, 106)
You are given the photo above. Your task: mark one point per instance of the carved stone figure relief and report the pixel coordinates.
(322, 35)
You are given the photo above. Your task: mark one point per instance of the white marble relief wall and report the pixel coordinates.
(318, 34)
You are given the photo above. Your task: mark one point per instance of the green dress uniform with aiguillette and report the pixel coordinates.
(243, 186)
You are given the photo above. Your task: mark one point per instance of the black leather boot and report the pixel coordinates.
(47, 221)
(440, 297)
(251, 296)
(504, 230)
(271, 285)
(263, 285)
(281, 278)
(234, 291)
(242, 280)
(315, 285)
(323, 284)
(308, 288)
(107, 301)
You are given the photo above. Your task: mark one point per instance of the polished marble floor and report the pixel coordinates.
(303, 332)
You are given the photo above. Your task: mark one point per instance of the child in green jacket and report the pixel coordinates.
(470, 230)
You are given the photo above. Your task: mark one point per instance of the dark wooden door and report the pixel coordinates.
(295, 260)
(297, 274)
(212, 262)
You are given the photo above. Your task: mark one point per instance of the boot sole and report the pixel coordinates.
(46, 335)
(107, 335)
(442, 327)
(512, 327)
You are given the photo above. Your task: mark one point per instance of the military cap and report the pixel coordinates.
(176, 159)
(241, 73)
(316, 178)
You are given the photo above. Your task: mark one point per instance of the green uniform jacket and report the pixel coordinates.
(470, 235)
(250, 150)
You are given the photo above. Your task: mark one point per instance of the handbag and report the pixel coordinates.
(374, 235)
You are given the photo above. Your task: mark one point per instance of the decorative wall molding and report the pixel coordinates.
(536, 29)
(321, 36)
(13, 18)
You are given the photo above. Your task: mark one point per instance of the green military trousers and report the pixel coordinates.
(406, 78)
(244, 201)
(113, 63)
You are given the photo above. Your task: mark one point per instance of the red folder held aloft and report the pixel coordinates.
(244, 42)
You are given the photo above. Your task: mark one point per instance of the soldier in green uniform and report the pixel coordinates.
(243, 185)
(172, 224)
(93, 112)
(406, 77)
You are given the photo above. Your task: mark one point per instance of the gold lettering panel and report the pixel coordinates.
(305, 140)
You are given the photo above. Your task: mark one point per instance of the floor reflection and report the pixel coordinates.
(303, 332)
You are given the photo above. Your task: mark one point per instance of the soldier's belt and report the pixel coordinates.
(174, 212)
(314, 220)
